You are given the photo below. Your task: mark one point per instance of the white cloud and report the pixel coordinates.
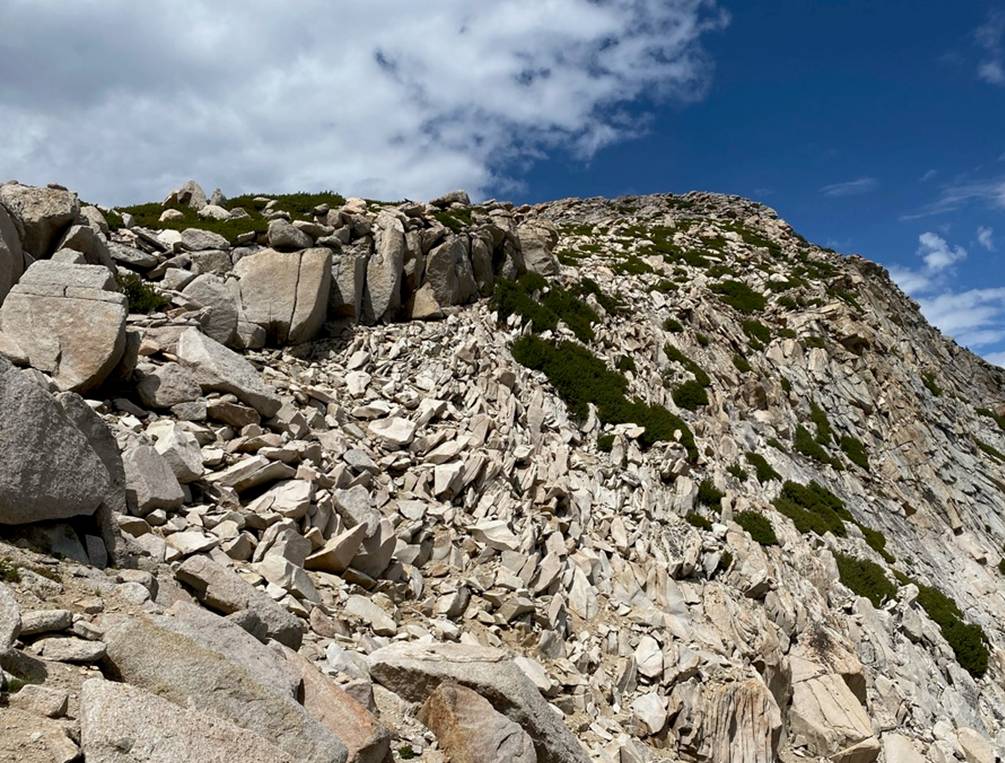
(938, 256)
(937, 253)
(929, 174)
(985, 237)
(850, 187)
(989, 37)
(996, 358)
(976, 317)
(122, 100)
(990, 192)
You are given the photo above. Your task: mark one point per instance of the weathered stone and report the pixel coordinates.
(395, 431)
(75, 333)
(470, 730)
(287, 238)
(217, 368)
(449, 277)
(221, 670)
(219, 319)
(50, 470)
(69, 649)
(826, 717)
(226, 592)
(166, 386)
(348, 280)
(150, 481)
(27, 737)
(537, 244)
(41, 214)
(180, 449)
(41, 700)
(189, 194)
(87, 241)
(414, 671)
(198, 240)
(11, 255)
(382, 294)
(286, 292)
(125, 724)
(336, 555)
(35, 622)
(10, 619)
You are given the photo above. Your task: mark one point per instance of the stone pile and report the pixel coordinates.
(294, 524)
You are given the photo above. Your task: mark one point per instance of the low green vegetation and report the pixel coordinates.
(740, 297)
(455, 219)
(813, 508)
(725, 561)
(856, 451)
(990, 450)
(588, 286)
(141, 297)
(741, 363)
(988, 413)
(581, 378)
(758, 526)
(605, 443)
(865, 578)
(9, 571)
(762, 469)
(929, 381)
(702, 340)
(709, 494)
(697, 371)
(737, 471)
(689, 395)
(825, 435)
(967, 640)
(697, 520)
(876, 540)
(626, 363)
(673, 326)
(807, 445)
(544, 305)
(631, 265)
(757, 330)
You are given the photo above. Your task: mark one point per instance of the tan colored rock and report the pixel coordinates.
(42, 215)
(826, 717)
(286, 292)
(11, 255)
(77, 334)
(469, 730)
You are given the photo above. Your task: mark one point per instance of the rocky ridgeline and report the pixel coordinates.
(651, 479)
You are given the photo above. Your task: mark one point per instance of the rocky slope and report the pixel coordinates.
(646, 479)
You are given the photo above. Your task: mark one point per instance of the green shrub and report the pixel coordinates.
(737, 471)
(702, 340)
(697, 520)
(587, 286)
(813, 508)
(114, 220)
(990, 450)
(709, 494)
(825, 435)
(9, 571)
(631, 265)
(455, 219)
(690, 395)
(677, 356)
(725, 561)
(762, 469)
(626, 363)
(572, 311)
(740, 297)
(757, 330)
(865, 578)
(673, 326)
(758, 526)
(140, 296)
(786, 385)
(856, 451)
(605, 443)
(580, 378)
(929, 381)
(741, 363)
(805, 444)
(999, 420)
(1001, 565)
(967, 640)
(544, 312)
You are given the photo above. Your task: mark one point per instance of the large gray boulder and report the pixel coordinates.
(286, 293)
(198, 240)
(286, 237)
(50, 470)
(385, 270)
(215, 367)
(150, 481)
(348, 280)
(450, 279)
(189, 194)
(226, 592)
(197, 659)
(11, 255)
(537, 244)
(414, 670)
(68, 321)
(220, 306)
(125, 724)
(89, 242)
(42, 215)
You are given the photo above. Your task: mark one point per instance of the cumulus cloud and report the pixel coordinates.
(386, 98)
(937, 253)
(985, 237)
(997, 358)
(975, 317)
(851, 187)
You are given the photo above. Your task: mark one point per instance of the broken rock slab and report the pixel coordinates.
(42, 214)
(469, 730)
(50, 470)
(414, 670)
(217, 368)
(125, 724)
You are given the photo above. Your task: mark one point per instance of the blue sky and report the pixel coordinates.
(874, 128)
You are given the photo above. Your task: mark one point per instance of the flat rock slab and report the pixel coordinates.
(414, 671)
(70, 649)
(43, 214)
(10, 619)
(203, 661)
(223, 590)
(50, 471)
(217, 368)
(125, 724)
(286, 293)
